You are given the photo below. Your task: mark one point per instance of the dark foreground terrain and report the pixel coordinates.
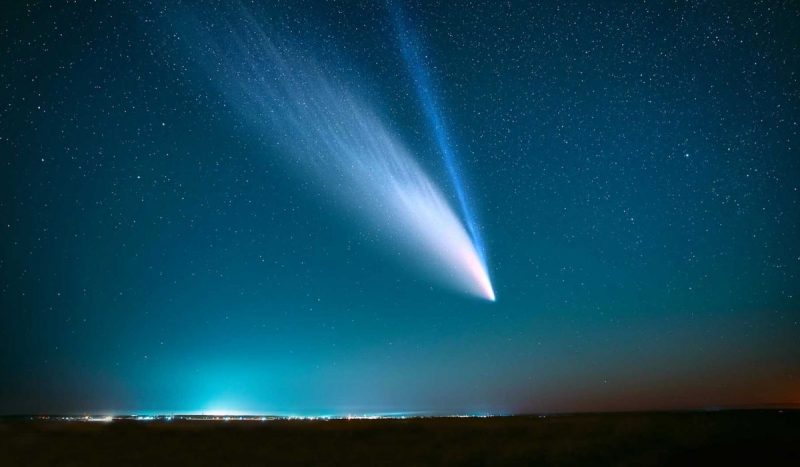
(709, 438)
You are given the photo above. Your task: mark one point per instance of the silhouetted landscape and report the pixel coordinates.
(754, 437)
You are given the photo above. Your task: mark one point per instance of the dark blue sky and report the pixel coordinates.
(634, 171)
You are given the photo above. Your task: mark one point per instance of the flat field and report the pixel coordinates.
(677, 438)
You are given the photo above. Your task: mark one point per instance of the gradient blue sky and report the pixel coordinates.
(634, 170)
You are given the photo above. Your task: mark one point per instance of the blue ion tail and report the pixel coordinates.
(411, 51)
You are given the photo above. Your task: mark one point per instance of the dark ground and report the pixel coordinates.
(689, 438)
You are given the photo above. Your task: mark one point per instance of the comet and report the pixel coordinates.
(414, 57)
(332, 137)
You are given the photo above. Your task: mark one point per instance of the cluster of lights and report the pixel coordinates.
(245, 418)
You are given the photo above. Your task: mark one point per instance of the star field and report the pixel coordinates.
(634, 171)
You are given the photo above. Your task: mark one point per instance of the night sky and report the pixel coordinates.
(633, 173)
